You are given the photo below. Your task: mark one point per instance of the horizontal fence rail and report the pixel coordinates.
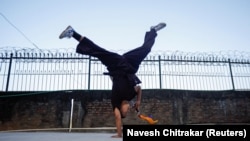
(46, 70)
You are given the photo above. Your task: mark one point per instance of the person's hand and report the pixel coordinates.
(116, 136)
(137, 104)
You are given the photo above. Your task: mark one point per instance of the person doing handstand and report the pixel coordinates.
(121, 68)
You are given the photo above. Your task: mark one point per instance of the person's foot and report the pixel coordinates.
(68, 33)
(158, 26)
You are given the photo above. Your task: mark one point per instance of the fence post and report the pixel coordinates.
(231, 73)
(8, 77)
(89, 73)
(159, 59)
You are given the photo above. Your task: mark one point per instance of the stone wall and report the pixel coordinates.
(44, 110)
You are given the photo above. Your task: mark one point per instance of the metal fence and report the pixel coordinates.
(46, 70)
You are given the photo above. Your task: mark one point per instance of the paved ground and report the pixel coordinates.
(56, 136)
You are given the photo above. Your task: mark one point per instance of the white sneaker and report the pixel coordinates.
(68, 33)
(159, 26)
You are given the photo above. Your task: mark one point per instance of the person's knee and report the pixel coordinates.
(124, 109)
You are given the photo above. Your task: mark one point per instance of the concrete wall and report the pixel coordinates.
(42, 110)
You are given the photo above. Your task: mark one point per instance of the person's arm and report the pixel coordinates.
(139, 93)
(118, 123)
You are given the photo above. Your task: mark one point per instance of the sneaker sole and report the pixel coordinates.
(62, 34)
(161, 26)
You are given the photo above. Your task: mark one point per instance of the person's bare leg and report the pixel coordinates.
(80, 39)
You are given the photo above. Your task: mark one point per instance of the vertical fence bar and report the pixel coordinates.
(159, 59)
(231, 73)
(89, 73)
(8, 78)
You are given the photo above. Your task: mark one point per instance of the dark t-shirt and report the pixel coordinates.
(123, 89)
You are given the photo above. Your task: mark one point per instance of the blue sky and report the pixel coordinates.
(192, 25)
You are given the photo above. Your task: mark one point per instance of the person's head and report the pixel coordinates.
(124, 108)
